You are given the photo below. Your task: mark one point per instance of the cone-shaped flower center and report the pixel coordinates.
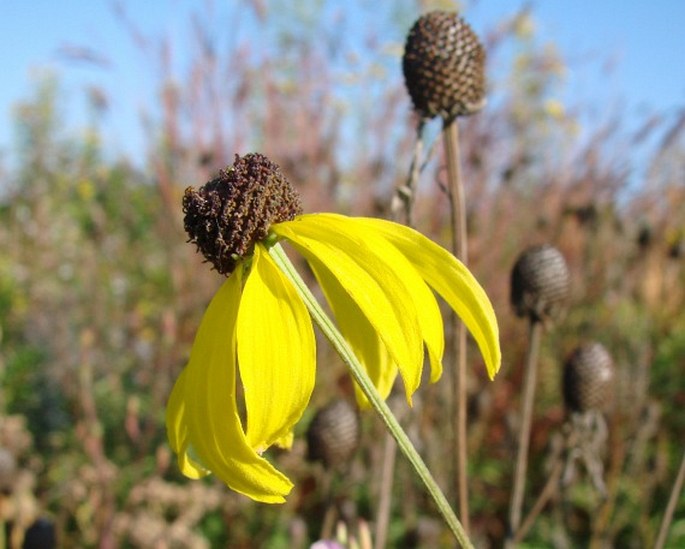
(444, 66)
(226, 216)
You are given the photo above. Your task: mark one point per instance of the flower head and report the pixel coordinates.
(444, 66)
(377, 277)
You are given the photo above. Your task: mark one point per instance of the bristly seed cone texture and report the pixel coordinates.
(588, 377)
(540, 283)
(444, 66)
(226, 217)
(333, 434)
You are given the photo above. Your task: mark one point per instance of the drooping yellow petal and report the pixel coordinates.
(415, 288)
(359, 333)
(430, 318)
(276, 353)
(177, 430)
(369, 280)
(202, 417)
(452, 280)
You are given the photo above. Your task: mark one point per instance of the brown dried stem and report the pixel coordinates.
(459, 247)
(670, 508)
(531, 368)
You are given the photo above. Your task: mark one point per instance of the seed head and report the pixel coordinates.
(226, 217)
(588, 375)
(333, 434)
(540, 283)
(444, 66)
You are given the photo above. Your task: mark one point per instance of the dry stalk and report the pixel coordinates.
(459, 247)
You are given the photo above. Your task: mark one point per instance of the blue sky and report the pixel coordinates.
(643, 42)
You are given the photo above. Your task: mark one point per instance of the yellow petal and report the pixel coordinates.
(359, 333)
(452, 280)
(430, 318)
(359, 262)
(177, 430)
(202, 417)
(276, 352)
(286, 441)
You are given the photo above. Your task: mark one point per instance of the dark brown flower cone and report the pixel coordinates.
(540, 283)
(588, 378)
(333, 435)
(226, 216)
(444, 66)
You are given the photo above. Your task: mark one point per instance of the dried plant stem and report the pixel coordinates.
(600, 526)
(366, 385)
(531, 369)
(387, 472)
(403, 202)
(670, 508)
(548, 491)
(459, 247)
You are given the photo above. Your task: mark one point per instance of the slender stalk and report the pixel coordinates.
(360, 376)
(387, 475)
(531, 369)
(459, 247)
(547, 492)
(670, 508)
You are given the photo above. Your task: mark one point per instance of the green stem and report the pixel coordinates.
(366, 385)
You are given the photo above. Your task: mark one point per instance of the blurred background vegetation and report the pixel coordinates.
(100, 295)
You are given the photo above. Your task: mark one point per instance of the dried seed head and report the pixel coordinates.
(333, 435)
(588, 375)
(540, 283)
(444, 66)
(228, 215)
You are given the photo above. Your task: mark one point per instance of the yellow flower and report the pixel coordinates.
(377, 277)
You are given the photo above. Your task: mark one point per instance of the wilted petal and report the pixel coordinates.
(276, 353)
(202, 417)
(452, 280)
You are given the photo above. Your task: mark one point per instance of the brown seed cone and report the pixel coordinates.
(333, 435)
(540, 283)
(444, 66)
(228, 215)
(588, 375)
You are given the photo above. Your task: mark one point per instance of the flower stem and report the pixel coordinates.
(531, 370)
(360, 376)
(457, 202)
(670, 508)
